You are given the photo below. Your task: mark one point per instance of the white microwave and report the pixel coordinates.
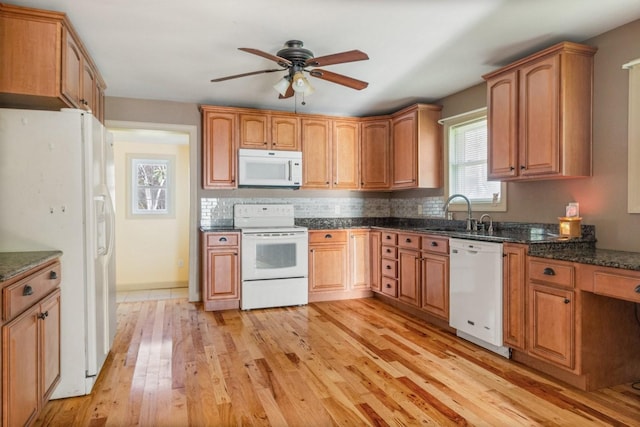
(265, 168)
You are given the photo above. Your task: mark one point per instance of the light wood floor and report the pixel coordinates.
(347, 363)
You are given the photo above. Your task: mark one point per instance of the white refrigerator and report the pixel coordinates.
(56, 193)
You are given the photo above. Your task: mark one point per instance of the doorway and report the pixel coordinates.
(156, 242)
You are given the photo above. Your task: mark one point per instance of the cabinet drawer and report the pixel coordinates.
(389, 238)
(617, 286)
(409, 241)
(435, 244)
(389, 268)
(25, 293)
(389, 252)
(389, 287)
(552, 272)
(328, 236)
(222, 239)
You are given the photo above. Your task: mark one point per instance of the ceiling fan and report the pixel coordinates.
(296, 59)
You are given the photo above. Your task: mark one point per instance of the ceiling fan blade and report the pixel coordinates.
(336, 58)
(339, 79)
(221, 79)
(288, 94)
(282, 61)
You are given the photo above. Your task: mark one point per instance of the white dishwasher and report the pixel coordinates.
(475, 286)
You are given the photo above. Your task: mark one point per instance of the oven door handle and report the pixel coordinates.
(262, 236)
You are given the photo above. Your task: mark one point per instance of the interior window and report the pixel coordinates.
(151, 191)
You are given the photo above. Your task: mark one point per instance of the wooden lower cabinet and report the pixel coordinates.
(359, 259)
(375, 248)
(220, 271)
(30, 344)
(514, 294)
(409, 276)
(434, 282)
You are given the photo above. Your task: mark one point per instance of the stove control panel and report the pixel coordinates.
(255, 215)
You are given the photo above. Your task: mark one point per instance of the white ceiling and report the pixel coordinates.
(419, 50)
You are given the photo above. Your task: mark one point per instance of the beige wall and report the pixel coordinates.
(602, 197)
(149, 250)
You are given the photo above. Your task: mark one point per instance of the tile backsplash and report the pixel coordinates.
(219, 211)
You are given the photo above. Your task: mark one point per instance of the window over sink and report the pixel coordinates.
(466, 163)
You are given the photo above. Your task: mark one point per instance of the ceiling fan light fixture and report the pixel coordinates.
(301, 84)
(282, 85)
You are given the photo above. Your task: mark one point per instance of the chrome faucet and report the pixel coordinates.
(471, 224)
(490, 229)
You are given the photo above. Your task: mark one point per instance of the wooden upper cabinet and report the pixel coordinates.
(417, 147)
(264, 130)
(539, 115)
(219, 148)
(375, 154)
(346, 154)
(316, 153)
(43, 63)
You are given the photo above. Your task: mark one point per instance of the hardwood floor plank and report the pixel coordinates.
(353, 362)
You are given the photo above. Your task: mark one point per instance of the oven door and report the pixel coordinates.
(274, 255)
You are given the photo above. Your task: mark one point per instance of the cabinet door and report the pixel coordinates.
(328, 267)
(513, 294)
(72, 69)
(552, 324)
(346, 154)
(50, 344)
(218, 150)
(254, 131)
(359, 259)
(20, 391)
(89, 98)
(285, 133)
(374, 155)
(404, 151)
(408, 276)
(539, 112)
(502, 124)
(316, 154)
(222, 273)
(434, 282)
(375, 252)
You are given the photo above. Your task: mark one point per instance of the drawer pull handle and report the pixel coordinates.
(222, 239)
(388, 267)
(27, 290)
(53, 275)
(389, 251)
(328, 236)
(388, 285)
(434, 243)
(548, 272)
(408, 240)
(637, 289)
(44, 315)
(567, 300)
(388, 237)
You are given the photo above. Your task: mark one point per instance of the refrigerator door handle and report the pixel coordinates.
(111, 223)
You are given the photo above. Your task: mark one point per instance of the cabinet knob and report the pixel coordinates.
(388, 285)
(389, 251)
(637, 289)
(388, 237)
(27, 290)
(44, 315)
(522, 167)
(548, 272)
(511, 168)
(53, 275)
(388, 267)
(567, 300)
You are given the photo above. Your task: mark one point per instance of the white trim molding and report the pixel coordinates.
(633, 184)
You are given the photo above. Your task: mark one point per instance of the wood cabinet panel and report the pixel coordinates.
(219, 153)
(316, 153)
(50, 345)
(375, 155)
(346, 154)
(617, 284)
(553, 272)
(285, 133)
(552, 324)
(328, 267)
(404, 142)
(514, 295)
(375, 239)
(359, 259)
(409, 276)
(502, 124)
(254, 131)
(434, 282)
(220, 274)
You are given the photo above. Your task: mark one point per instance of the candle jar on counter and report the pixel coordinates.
(570, 226)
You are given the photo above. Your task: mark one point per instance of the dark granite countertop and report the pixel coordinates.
(14, 263)
(593, 256)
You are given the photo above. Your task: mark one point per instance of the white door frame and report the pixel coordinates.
(192, 131)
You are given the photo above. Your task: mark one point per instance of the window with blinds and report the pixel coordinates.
(467, 162)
